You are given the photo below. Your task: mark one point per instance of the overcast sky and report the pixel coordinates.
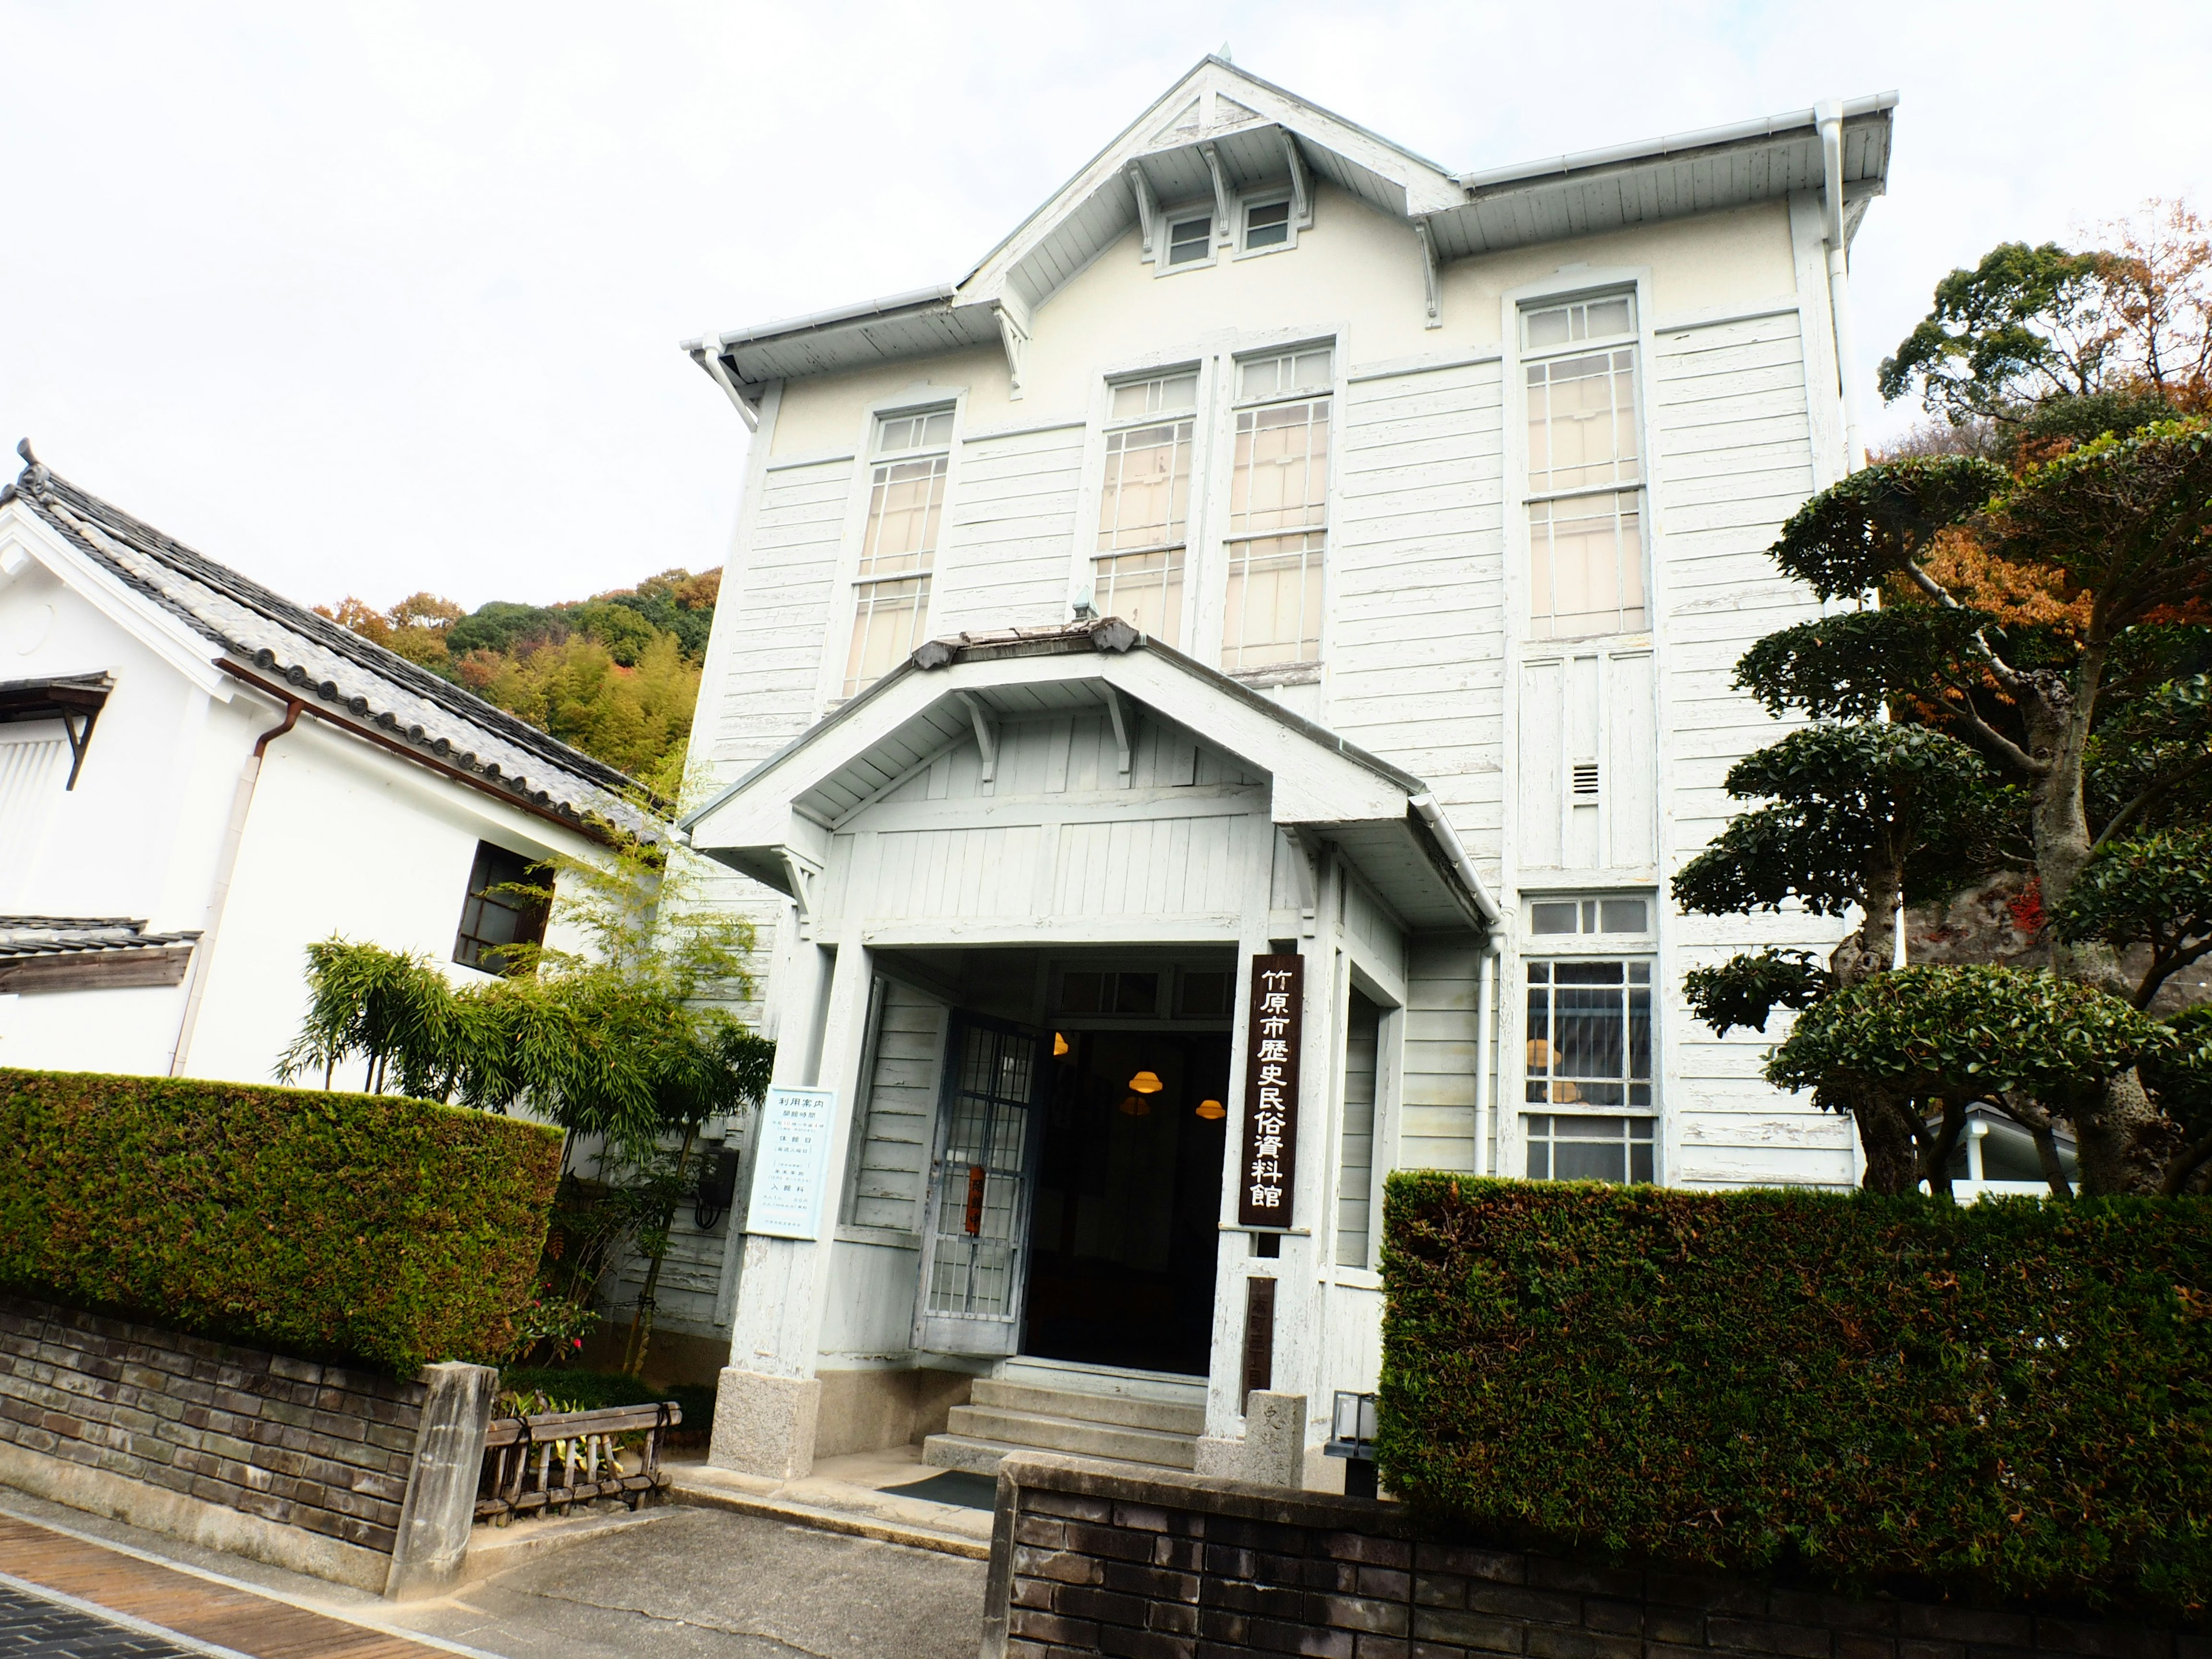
(373, 298)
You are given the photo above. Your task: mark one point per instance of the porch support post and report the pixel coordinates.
(770, 1397)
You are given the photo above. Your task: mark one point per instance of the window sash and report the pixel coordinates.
(1144, 499)
(1143, 589)
(1586, 566)
(1272, 616)
(1563, 1147)
(1190, 241)
(1279, 476)
(1267, 224)
(1582, 422)
(887, 618)
(906, 506)
(1588, 1033)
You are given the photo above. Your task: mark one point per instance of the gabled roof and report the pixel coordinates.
(261, 636)
(1222, 128)
(775, 822)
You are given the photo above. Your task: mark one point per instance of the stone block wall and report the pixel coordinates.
(348, 1474)
(1088, 1560)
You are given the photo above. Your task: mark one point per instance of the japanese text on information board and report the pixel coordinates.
(790, 1163)
(1268, 1172)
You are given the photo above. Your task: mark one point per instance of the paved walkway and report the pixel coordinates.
(686, 1583)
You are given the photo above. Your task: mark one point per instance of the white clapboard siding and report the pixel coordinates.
(1356, 1152)
(892, 1166)
(1415, 584)
(1735, 461)
(779, 614)
(1004, 562)
(1436, 1119)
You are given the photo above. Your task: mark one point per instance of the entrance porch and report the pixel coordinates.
(1030, 877)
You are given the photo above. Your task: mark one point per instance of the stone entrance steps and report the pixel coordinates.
(1128, 1417)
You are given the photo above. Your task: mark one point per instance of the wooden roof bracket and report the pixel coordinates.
(1148, 209)
(1014, 336)
(1431, 273)
(1301, 181)
(1123, 713)
(1224, 231)
(986, 735)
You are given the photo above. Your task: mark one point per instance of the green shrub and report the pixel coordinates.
(368, 1227)
(2013, 1399)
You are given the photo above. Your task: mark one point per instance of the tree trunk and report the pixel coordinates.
(1892, 1163)
(2123, 1140)
(640, 1324)
(1937, 1146)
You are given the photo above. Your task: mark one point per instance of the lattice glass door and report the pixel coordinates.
(974, 1261)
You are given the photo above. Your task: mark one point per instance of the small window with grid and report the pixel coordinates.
(1267, 224)
(1190, 241)
(1278, 510)
(500, 918)
(905, 502)
(1584, 496)
(1562, 1147)
(1144, 503)
(1590, 1033)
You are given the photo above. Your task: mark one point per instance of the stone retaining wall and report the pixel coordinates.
(1088, 1560)
(322, 1449)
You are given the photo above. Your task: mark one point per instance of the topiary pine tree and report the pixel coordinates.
(2053, 626)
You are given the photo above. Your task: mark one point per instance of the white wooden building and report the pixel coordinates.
(1280, 545)
(199, 778)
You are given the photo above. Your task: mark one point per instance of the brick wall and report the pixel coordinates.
(1085, 1560)
(317, 1447)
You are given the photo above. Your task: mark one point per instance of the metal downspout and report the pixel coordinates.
(1828, 114)
(241, 803)
(1485, 1005)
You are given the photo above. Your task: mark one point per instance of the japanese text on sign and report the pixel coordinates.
(790, 1161)
(1267, 1178)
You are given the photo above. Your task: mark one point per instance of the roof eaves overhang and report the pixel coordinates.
(784, 810)
(1701, 171)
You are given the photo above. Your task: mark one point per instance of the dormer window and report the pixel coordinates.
(1190, 241)
(1267, 224)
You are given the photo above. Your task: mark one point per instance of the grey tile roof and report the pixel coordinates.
(70, 936)
(357, 681)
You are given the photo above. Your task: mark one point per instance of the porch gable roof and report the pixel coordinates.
(776, 821)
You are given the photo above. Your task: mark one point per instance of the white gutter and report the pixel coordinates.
(1433, 816)
(1830, 115)
(710, 359)
(1673, 145)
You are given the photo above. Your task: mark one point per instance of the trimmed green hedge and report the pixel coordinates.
(368, 1227)
(2007, 1401)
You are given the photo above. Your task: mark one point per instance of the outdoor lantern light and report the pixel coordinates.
(1146, 1083)
(1058, 1045)
(1210, 1109)
(1352, 1437)
(1135, 1106)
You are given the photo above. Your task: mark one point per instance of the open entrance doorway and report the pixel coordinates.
(1125, 1218)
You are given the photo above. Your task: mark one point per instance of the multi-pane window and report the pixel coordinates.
(503, 914)
(1585, 498)
(1589, 916)
(1267, 224)
(1144, 504)
(1589, 1034)
(1190, 239)
(1278, 510)
(1579, 1148)
(906, 500)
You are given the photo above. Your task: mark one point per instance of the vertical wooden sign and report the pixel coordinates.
(1268, 1174)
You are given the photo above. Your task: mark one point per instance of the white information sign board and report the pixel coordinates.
(791, 1168)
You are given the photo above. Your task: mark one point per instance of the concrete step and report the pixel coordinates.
(1126, 1410)
(1074, 1377)
(958, 1451)
(1084, 1439)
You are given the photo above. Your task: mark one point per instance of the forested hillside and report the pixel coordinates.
(616, 675)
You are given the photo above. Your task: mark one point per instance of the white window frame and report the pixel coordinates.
(1163, 264)
(1636, 339)
(1109, 424)
(1614, 949)
(1226, 541)
(1588, 940)
(1258, 198)
(920, 399)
